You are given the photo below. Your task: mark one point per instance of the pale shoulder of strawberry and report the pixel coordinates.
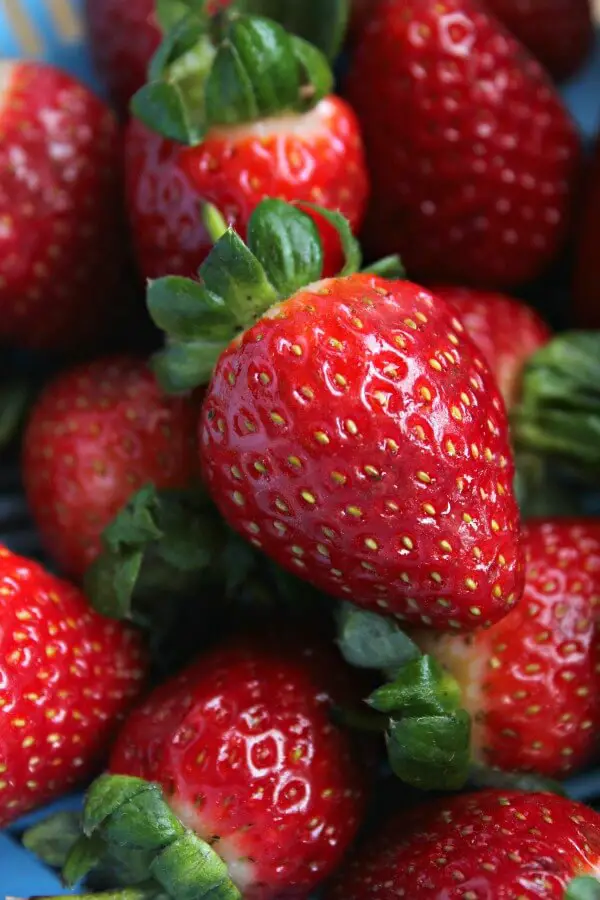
(476, 846)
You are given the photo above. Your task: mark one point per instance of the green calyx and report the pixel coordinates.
(225, 70)
(237, 284)
(161, 543)
(558, 417)
(586, 887)
(122, 815)
(428, 733)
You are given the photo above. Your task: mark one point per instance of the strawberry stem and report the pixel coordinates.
(132, 814)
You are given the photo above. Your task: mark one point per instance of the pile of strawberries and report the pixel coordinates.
(310, 474)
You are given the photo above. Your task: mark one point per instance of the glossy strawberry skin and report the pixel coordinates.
(316, 158)
(477, 847)
(559, 33)
(473, 175)
(506, 332)
(62, 240)
(532, 681)
(244, 745)
(359, 440)
(66, 677)
(98, 433)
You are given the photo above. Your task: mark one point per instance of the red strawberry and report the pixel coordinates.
(243, 745)
(316, 157)
(98, 433)
(506, 332)
(586, 288)
(473, 174)
(61, 234)
(66, 676)
(532, 681)
(559, 33)
(509, 845)
(355, 435)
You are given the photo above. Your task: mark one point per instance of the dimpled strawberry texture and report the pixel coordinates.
(61, 217)
(532, 681)
(474, 170)
(356, 436)
(505, 846)
(244, 746)
(98, 433)
(506, 332)
(66, 676)
(316, 158)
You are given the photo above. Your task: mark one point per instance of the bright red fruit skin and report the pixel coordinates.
(506, 332)
(98, 433)
(508, 845)
(244, 745)
(66, 677)
(559, 33)
(356, 436)
(532, 681)
(317, 157)
(62, 235)
(473, 174)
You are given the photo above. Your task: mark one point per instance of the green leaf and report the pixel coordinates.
(389, 267)
(161, 106)
(170, 12)
(350, 245)
(369, 641)
(431, 752)
(323, 24)
(181, 367)
(186, 310)
(584, 888)
(316, 76)
(53, 839)
(286, 242)
(85, 854)
(421, 688)
(230, 98)
(559, 413)
(16, 397)
(183, 36)
(189, 869)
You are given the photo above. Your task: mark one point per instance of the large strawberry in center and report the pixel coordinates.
(353, 432)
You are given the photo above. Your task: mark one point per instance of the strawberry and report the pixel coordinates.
(61, 237)
(532, 681)
(298, 150)
(244, 748)
(513, 845)
(353, 433)
(474, 174)
(506, 332)
(99, 432)
(560, 33)
(66, 677)
(586, 287)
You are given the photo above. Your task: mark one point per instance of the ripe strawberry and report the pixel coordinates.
(61, 231)
(586, 287)
(303, 145)
(477, 847)
(559, 33)
(506, 332)
(98, 433)
(532, 681)
(473, 175)
(317, 157)
(66, 676)
(243, 745)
